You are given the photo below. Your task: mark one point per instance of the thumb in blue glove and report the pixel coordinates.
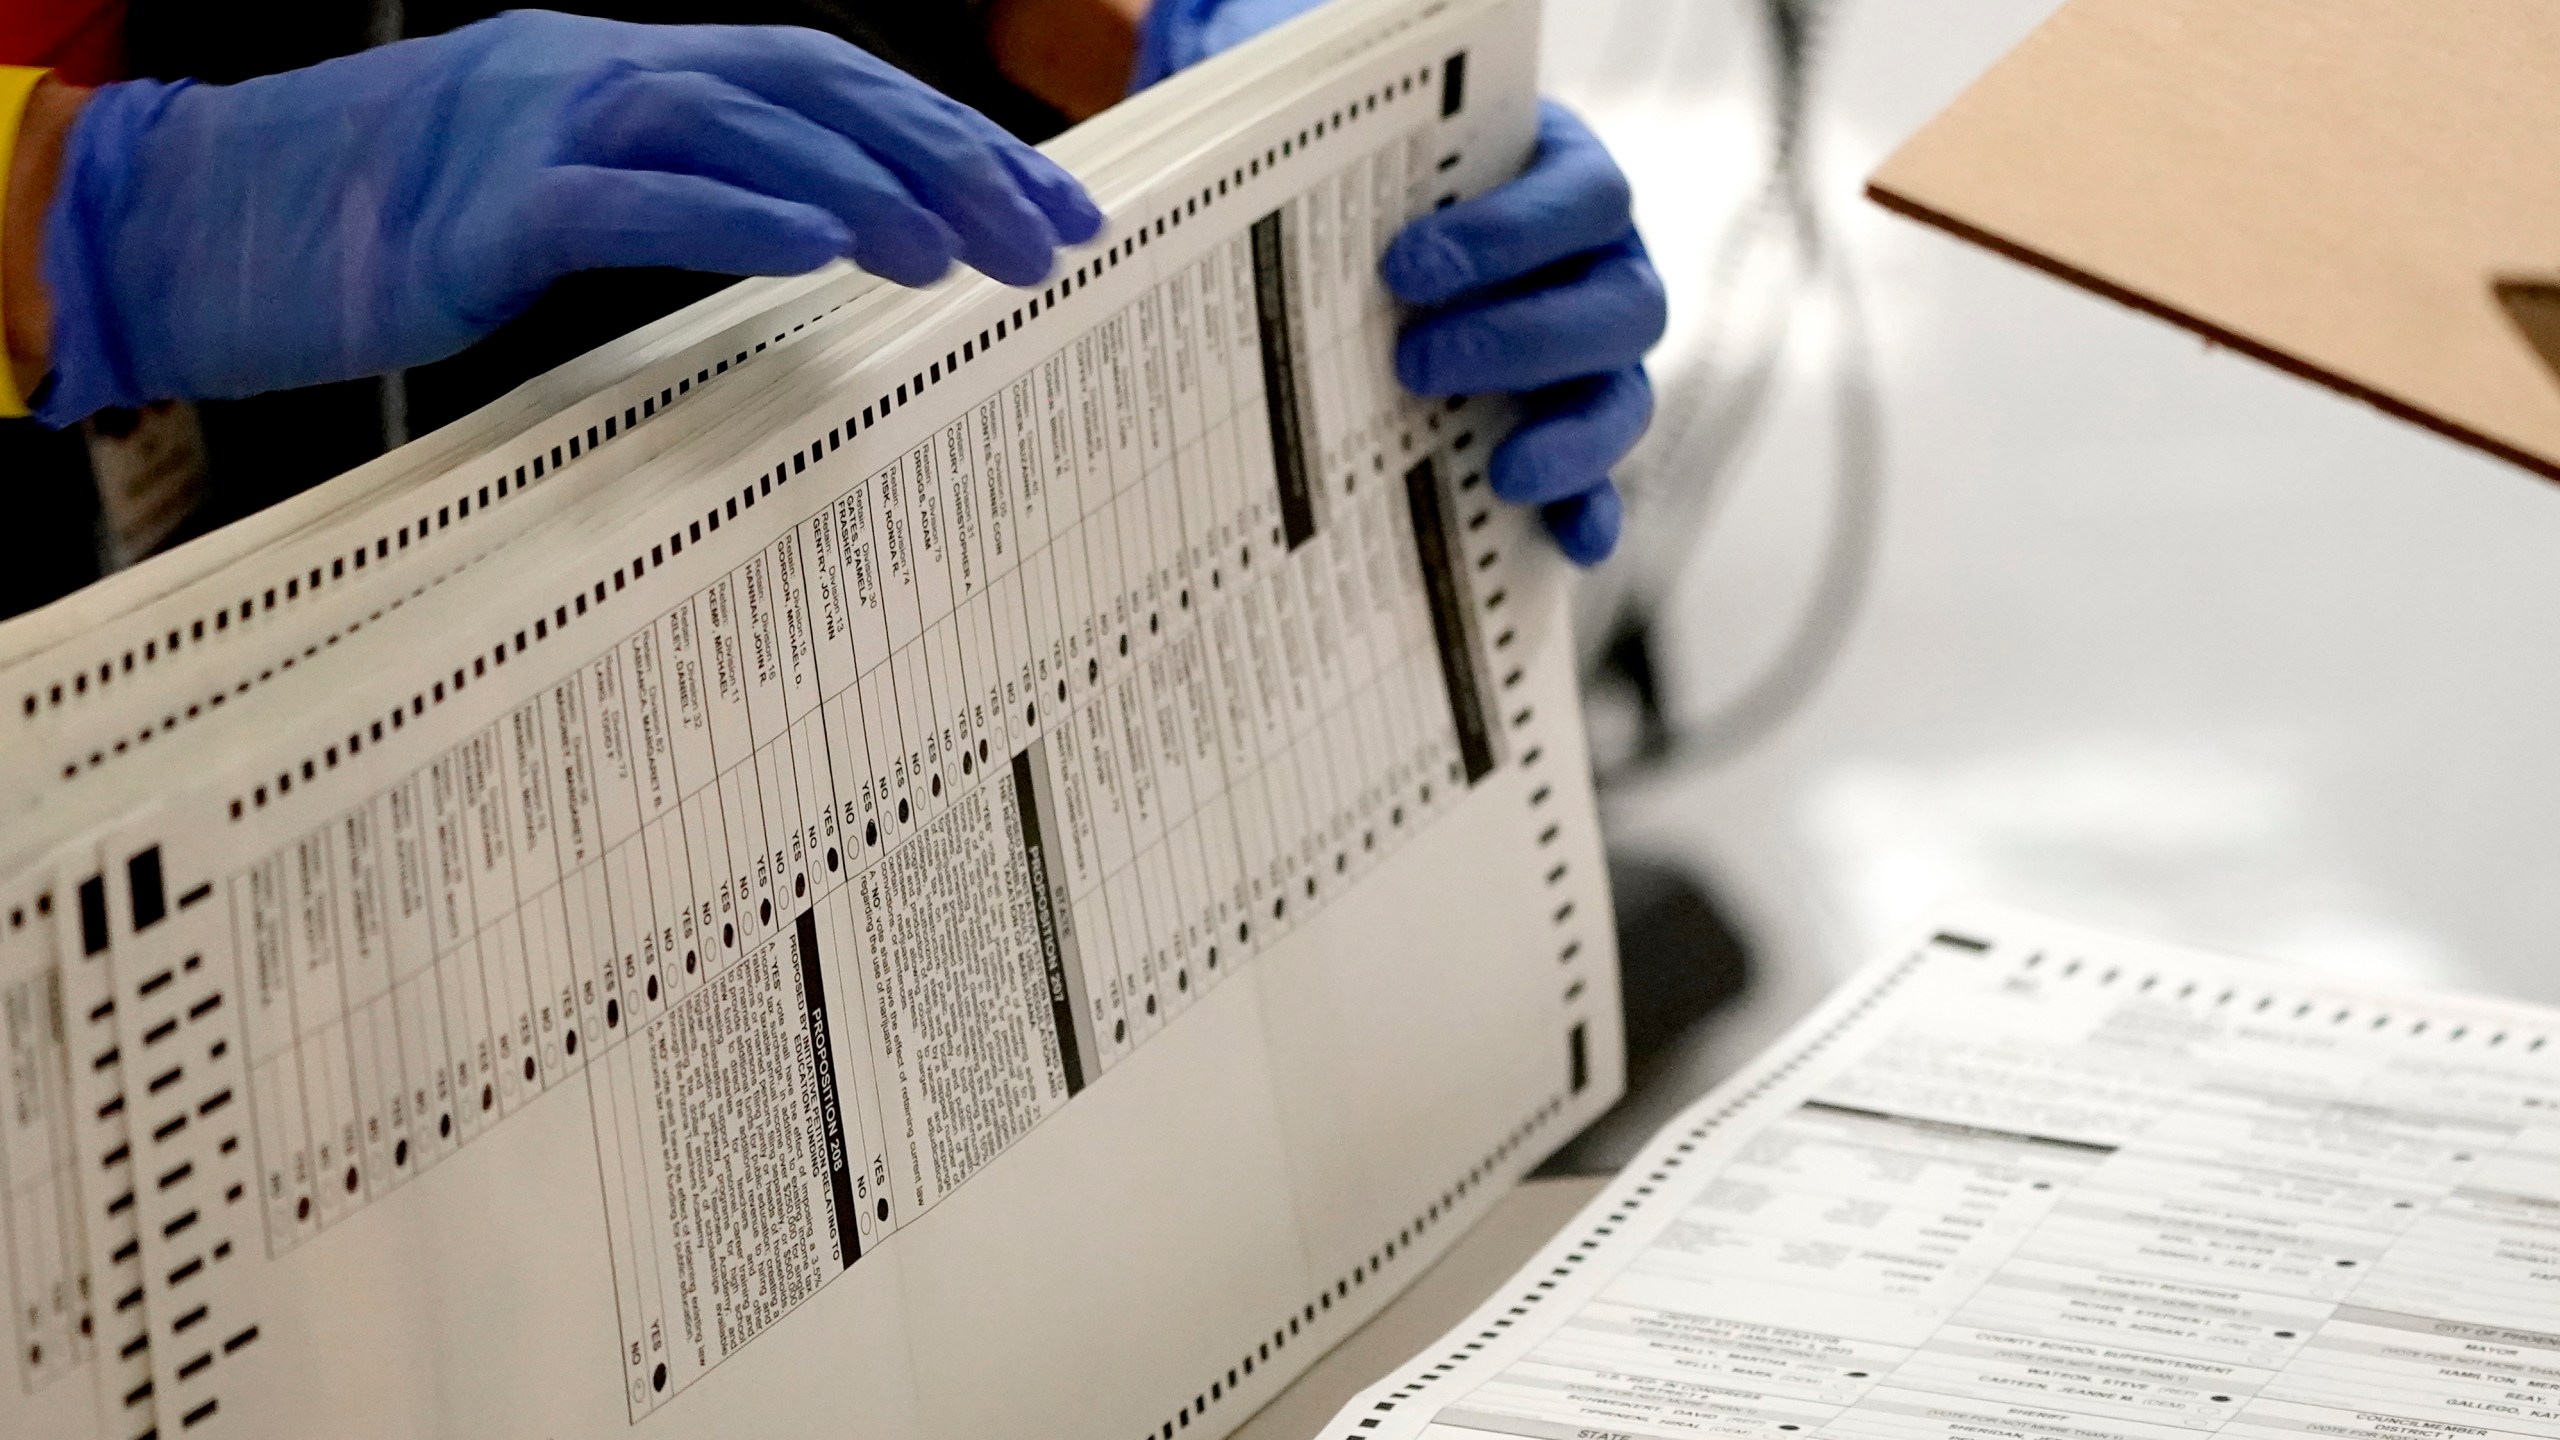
(389, 208)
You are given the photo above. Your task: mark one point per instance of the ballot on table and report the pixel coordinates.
(2364, 192)
(2020, 1179)
(951, 862)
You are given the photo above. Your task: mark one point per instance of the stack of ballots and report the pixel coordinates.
(965, 861)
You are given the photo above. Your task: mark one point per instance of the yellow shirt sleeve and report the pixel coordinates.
(17, 82)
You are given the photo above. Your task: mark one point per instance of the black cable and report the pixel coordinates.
(1673, 481)
(1686, 471)
(1822, 629)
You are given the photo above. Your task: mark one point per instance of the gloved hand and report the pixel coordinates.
(1540, 287)
(388, 208)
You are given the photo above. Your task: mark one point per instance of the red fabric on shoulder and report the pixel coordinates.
(82, 39)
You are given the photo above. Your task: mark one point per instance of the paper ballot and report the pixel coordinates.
(2021, 1181)
(966, 862)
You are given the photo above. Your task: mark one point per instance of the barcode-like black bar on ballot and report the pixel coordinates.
(1448, 618)
(150, 896)
(822, 1058)
(1272, 306)
(1063, 1007)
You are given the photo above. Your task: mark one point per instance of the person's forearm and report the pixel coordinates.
(34, 166)
(1074, 54)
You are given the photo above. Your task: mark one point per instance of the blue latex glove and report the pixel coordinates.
(1178, 34)
(389, 208)
(1539, 288)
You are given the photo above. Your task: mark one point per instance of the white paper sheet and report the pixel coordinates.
(993, 880)
(2024, 1180)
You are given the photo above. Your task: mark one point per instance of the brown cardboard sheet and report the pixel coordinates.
(2365, 192)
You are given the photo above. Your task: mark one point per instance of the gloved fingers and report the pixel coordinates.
(958, 176)
(1586, 526)
(1168, 40)
(1586, 319)
(585, 217)
(1002, 232)
(688, 123)
(1060, 196)
(1573, 198)
(1569, 434)
(951, 166)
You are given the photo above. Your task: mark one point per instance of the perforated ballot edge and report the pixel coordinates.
(1478, 561)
